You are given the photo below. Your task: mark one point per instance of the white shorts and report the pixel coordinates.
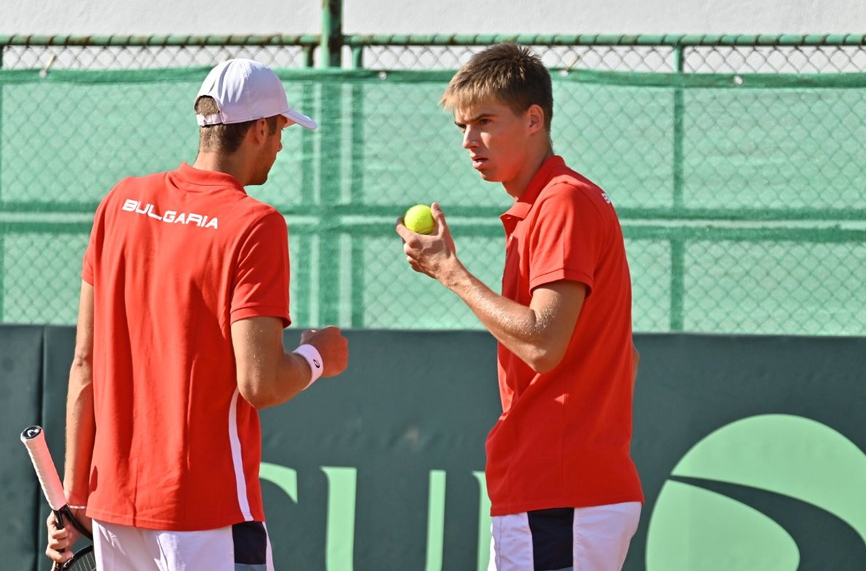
(564, 539)
(240, 547)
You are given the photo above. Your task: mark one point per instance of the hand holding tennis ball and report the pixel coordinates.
(419, 219)
(428, 244)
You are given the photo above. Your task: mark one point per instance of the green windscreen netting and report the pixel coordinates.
(742, 198)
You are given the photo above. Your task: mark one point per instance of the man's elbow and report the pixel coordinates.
(545, 359)
(259, 400)
(81, 368)
(257, 394)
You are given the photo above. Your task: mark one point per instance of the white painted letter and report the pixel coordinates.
(435, 520)
(341, 518)
(484, 521)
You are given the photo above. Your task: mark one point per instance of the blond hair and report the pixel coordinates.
(510, 73)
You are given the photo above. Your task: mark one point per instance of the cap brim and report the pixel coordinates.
(301, 119)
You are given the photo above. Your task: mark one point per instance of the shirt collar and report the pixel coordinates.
(523, 204)
(198, 177)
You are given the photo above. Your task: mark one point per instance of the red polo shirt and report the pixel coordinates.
(174, 259)
(563, 437)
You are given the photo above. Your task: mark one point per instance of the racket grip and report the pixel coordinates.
(33, 438)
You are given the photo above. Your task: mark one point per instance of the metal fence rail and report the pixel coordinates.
(667, 53)
(736, 163)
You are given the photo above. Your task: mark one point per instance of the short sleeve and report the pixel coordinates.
(565, 238)
(87, 264)
(261, 281)
(97, 232)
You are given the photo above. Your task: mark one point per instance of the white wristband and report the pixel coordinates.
(314, 360)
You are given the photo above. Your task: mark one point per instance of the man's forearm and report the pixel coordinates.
(297, 372)
(80, 433)
(516, 326)
(269, 376)
(292, 378)
(280, 380)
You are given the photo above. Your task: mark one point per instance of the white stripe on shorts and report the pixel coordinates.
(125, 548)
(600, 539)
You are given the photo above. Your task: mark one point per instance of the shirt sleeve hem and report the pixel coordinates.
(562, 274)
(261, 311)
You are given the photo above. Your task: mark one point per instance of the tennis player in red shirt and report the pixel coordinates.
(184, 298)
(564, 491)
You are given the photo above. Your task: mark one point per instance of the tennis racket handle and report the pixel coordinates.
(33, 438)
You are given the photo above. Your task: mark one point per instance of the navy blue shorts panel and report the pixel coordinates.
(251, 545)
(552, 538)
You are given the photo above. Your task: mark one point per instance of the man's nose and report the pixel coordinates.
(470, 138)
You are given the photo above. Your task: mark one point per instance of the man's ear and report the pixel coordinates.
(260, 130)
(535, 118)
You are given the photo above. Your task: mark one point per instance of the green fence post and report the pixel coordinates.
(678, 270)
(2, 237)
(678, 246)
(2, 264)
(679, 110)
(357, 57)
(331, 41)
(358, 299)
(357, 190)
(330, 180)
(330, 171)
(302, 266)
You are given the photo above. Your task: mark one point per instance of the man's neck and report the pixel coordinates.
(218, 162)
(518, 186)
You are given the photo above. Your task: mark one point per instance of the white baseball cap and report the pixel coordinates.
(246, 90)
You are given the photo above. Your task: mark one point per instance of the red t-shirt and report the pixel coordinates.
(174, 259)
(563, 437)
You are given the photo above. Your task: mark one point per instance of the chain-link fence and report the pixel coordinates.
(736, 164)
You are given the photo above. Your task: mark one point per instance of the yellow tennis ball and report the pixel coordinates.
(419, 219)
